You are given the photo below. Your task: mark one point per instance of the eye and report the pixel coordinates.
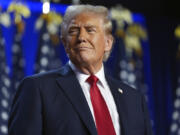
(73, 31)
(91, 30)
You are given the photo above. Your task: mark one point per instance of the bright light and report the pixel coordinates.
(46, 7)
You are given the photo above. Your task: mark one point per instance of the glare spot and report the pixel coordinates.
(131, 78)
(178, 91)
(6, 81)
(4, 103)
(123, 74)
(45, 49)
(5, 92)
(46, 7)
(15, 48)
(44, 61)
(4, 129)
(175, 115)
(177, 103)
(46, 36)
(174, 127)
(4, 115)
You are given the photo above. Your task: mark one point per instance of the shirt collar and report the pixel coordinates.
(83, 77)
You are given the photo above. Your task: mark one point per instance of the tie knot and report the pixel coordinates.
(92, 79)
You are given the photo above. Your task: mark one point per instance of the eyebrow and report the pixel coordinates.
(91, 26)
(86, 26)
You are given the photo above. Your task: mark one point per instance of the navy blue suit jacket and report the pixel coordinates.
(54, 104)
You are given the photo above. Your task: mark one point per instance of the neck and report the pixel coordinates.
(89, 69)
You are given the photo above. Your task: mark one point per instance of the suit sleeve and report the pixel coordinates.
(26, 115)
(148, 126)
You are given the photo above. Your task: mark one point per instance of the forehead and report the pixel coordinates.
(87, 19)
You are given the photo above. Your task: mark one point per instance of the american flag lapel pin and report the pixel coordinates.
(120, 90)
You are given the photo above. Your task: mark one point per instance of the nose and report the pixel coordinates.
(82, 35)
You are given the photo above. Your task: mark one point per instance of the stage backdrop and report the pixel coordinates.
(30, 43)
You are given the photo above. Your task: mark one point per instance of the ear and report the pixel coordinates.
(109, 42)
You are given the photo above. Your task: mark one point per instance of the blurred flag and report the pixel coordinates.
(129, 63)
(129, 66)
(131, 72)
(47, 57)
(5, 86)
(17, 60)
(130, 53)
(175, 126)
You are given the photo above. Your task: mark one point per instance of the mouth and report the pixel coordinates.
(81, 48)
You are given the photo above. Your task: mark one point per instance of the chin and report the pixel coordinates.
(86, 57)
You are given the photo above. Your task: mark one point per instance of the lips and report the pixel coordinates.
(82, 48)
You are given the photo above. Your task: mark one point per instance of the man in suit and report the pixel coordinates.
(80, 99)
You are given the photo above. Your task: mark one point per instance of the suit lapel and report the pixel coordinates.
(72, 89)
(120, 100)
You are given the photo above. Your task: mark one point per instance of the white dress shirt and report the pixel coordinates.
(105, 92)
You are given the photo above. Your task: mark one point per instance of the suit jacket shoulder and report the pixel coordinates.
(51, 103)
(132, 108)
(123, 87)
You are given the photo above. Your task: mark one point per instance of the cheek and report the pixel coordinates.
(97, 40)
(71, 42)
(99, 43)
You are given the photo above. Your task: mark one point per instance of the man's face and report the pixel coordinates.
(86, 41)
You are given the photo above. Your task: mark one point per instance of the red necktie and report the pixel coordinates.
(103, 120)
